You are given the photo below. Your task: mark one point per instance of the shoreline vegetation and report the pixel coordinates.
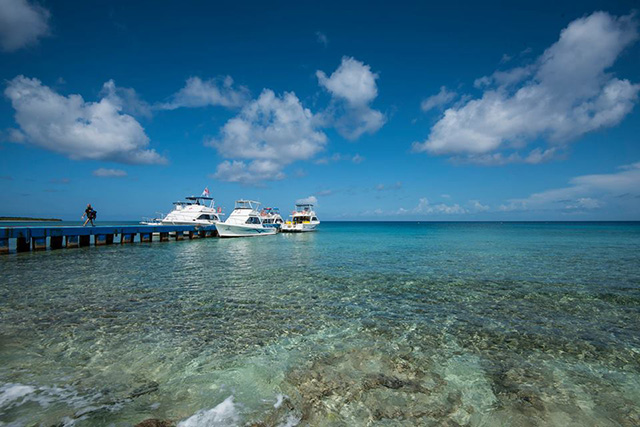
(27, 219)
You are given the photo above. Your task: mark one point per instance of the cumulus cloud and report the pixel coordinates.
(424, 207)
(535, 156)
(21, 24)
(255, 173)
(478, 207)
(438, 100)
(584, 192)
(12, 135)
(126, 99)
(78, 129)
(352, 87)
(311, 199)
(202, 93)
(338, 157)
(270, 132)
(109, 173)
(566, 93)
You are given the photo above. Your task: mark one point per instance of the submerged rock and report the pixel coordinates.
(368, 384)
(150, 387)
(154, 422)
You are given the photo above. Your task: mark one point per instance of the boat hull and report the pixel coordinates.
(205, 223)
(298, 228)
(233, 230)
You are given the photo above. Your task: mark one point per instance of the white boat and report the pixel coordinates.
(271, 218)
(196, 210)
(303, 219)
(244, 221)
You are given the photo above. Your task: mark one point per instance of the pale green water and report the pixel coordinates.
(357, 324)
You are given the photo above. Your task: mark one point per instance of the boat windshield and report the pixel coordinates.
(201, 200)
(247, 204)
(304, 207)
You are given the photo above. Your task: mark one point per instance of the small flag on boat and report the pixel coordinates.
(205, 193)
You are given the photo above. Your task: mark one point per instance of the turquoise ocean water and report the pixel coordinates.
(357, 324)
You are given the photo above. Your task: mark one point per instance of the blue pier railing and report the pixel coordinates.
(36, 238)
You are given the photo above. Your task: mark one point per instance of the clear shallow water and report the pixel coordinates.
(357, 324)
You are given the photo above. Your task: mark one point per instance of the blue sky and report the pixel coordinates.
(408, 111)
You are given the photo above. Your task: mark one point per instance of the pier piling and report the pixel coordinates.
(73, 241)
(127, 238)
(23, 244)
(39, 243)
(57, 237)
(85, 240)
(56, 242)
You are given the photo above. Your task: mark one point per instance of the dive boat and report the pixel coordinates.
(303, 219)
(244, 221)
(271, 218)
(196, 210)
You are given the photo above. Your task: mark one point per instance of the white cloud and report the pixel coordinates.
(272, 132)
(75, 128)
(353, 81)
(12, 135)
(199, 93)
(352, 87)
(337, 157)
(357, 159)
(311, 199)
(21, 24)
(584, 203)
(109, 173)
(322, 38)
(478, 207)
(126, 99)
(438, 100)
(584, 192)
(563, 95)
(255, 173)
(424, 207)
(535, 156)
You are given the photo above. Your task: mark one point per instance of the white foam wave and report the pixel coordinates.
(224, 414)
(279, 400)
(291, 421)
(11, 392)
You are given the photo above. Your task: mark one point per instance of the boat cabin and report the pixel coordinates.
(303, 213)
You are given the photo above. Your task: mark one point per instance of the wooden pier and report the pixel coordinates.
(37, 238)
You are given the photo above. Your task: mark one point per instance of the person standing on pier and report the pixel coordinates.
(90, 213)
